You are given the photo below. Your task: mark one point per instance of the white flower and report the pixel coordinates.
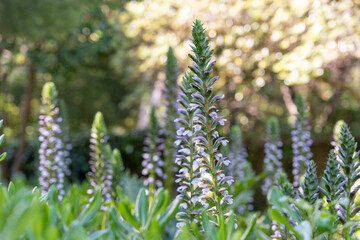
(180, 224)
(220, 176)
(197, 128)
(215, 134)
(187, 132)
(213, 115)
(183, 170)
(177, 142)
(222, 121)
(183, 205)
(180, 131)
(178, 161)
(205, 191)
(227, 162)
(224, 142)
(218, 156)
(192, 106)
(185, 150)
(195, 199)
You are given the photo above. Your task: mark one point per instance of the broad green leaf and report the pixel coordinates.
(168, 213)
(126, 214)
(3, 156)
(91, 210)
(249, 228)
(97, 234)
(141, 206)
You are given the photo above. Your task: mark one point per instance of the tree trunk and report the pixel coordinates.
(25, 115)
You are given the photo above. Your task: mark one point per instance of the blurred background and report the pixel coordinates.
(109, 56)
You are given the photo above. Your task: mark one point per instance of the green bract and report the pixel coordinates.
(310, 186)
(101, 172)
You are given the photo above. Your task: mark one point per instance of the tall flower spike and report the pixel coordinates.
(301, 141)
(51, 151)
(237, 154)
(333, 180)
(273, 155)
(214, 182)
(65, 137)
(350, 167)
(100, 163)
(310, 186)
(239, 166)
(2, 137)
(152, 162)
(187, 157)
(170, 94)
(118, 169)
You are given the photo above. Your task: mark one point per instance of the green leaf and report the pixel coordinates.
(304, 228)
(2, 137)
(11, 188)
(141, 205)
(155, 206)
(3, 156)
(249, 229)
(91, 210)
(97, 234)
(126, 214)
(114, 214)
(169, 212)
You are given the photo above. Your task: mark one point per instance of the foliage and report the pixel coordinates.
(101, 173)
(31, 215)
(150, 218)
(210, 205)
(314, 223)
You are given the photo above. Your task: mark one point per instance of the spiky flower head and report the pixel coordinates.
(100, 164)
(301, 141)
(214, 182)
(152, 162)
(349, 165)
(187, 158)
(310, 186)
(273, 155)
(65, 137)
(237, 153)
(170, 95)
(333, 180)
(51, 151)
(336, 135)
(240, 168)
(118, 168)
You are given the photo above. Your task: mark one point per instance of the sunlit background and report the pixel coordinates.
(109, 56)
